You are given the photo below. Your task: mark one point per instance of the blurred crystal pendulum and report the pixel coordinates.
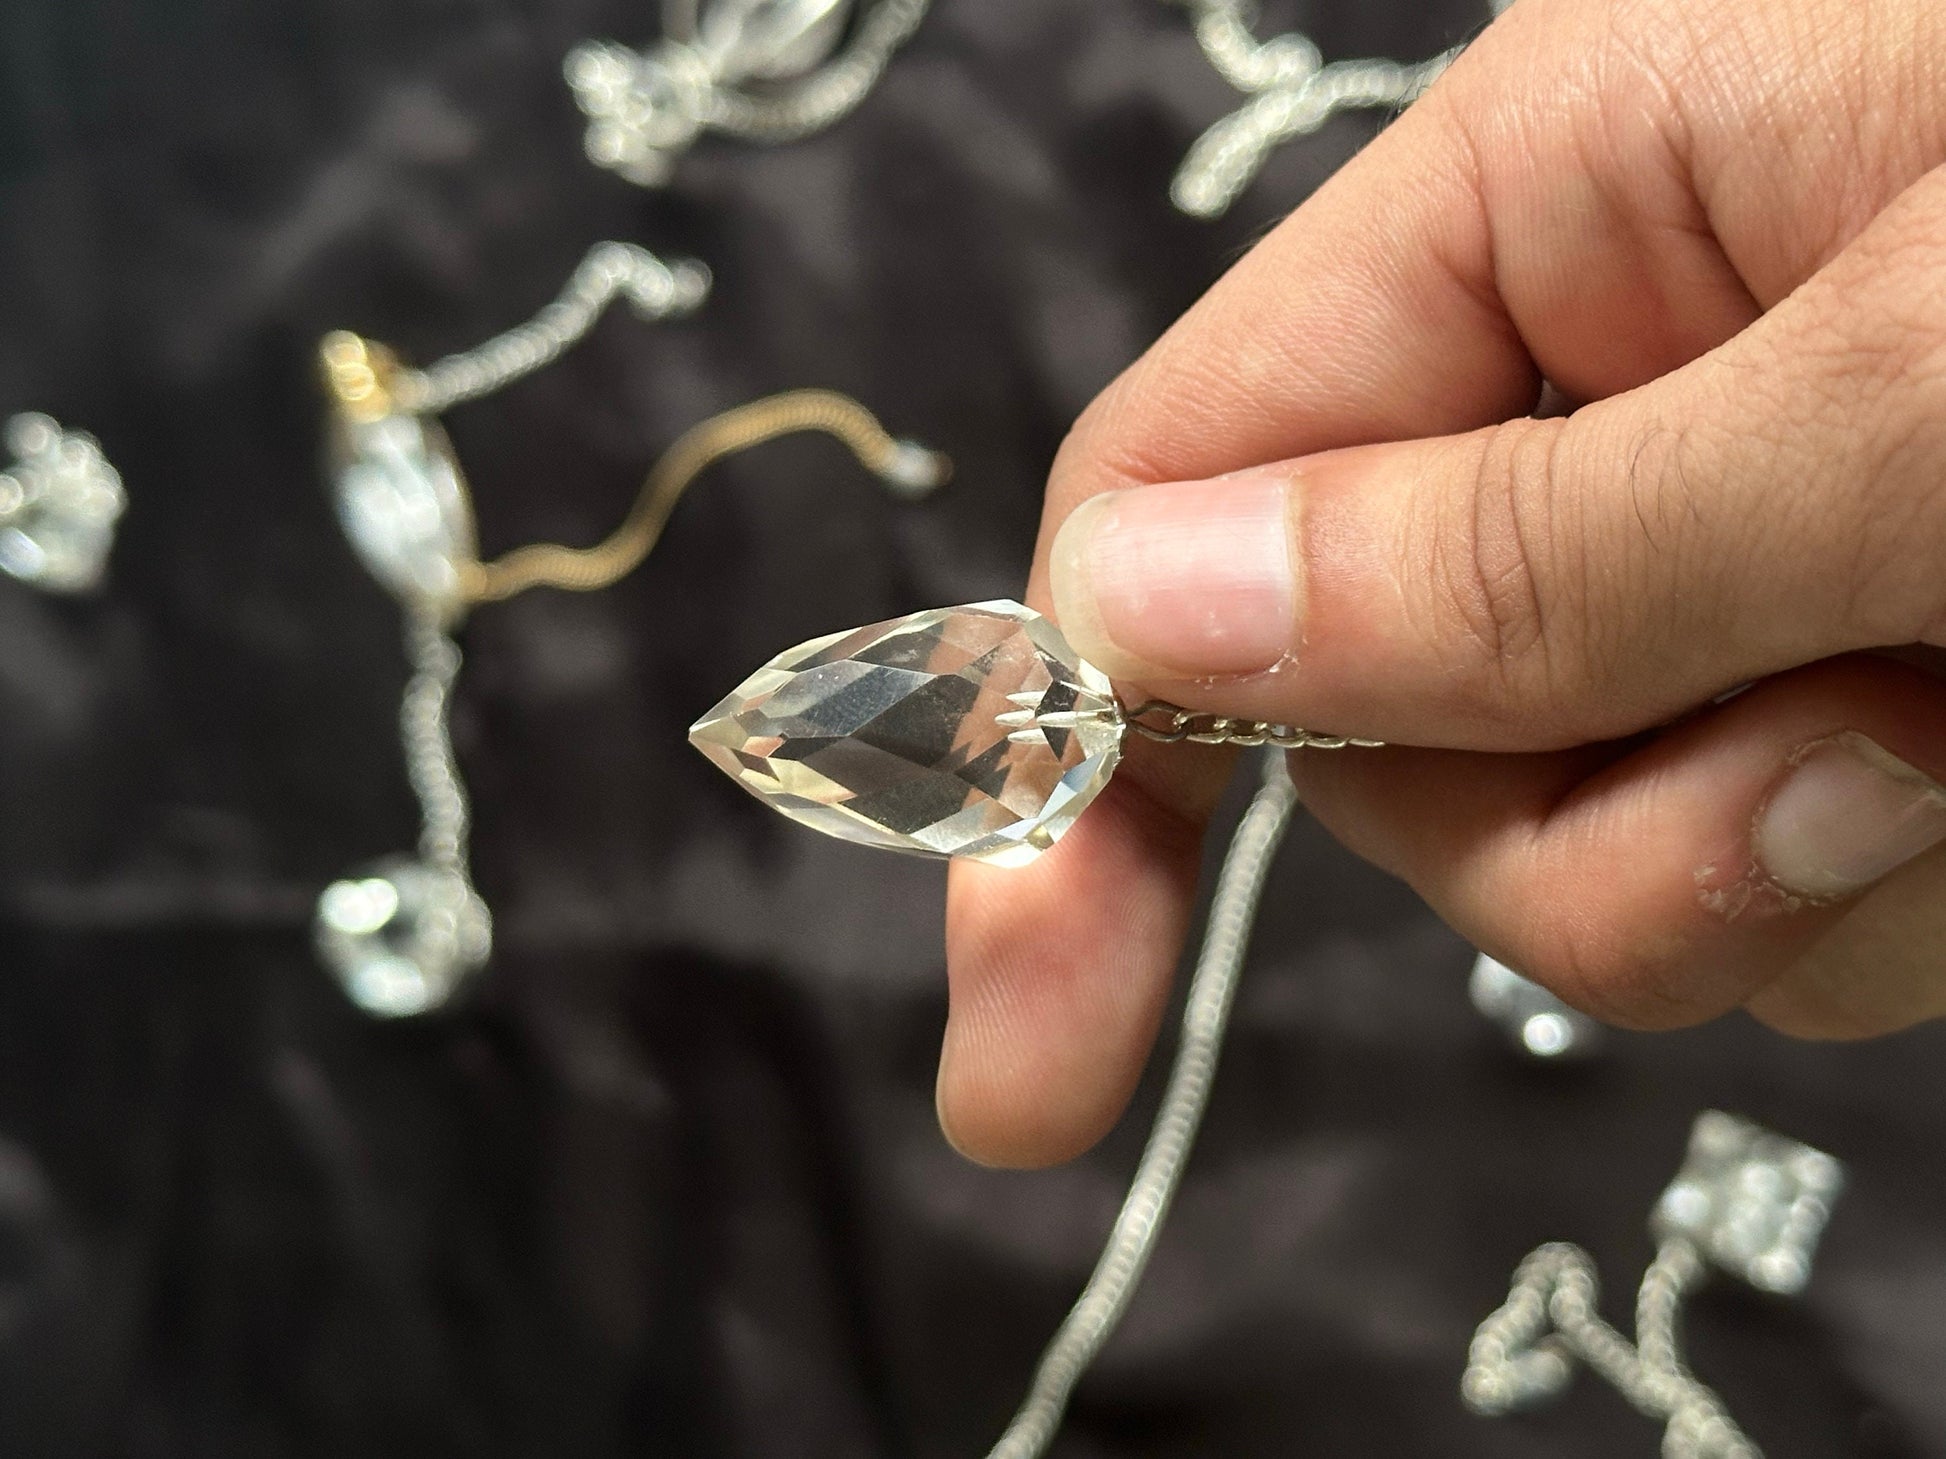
(1749, 1203)
(1535, 1022)
(59, 503)
(763, 70)
(973, 731)
(1292, 93)
(403, 935)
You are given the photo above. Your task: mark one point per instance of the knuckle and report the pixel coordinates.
(1507, 592)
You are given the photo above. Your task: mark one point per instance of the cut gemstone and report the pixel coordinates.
(59, 503)
(404, 506)
(970, 732)
(771, 40)
(404, 936)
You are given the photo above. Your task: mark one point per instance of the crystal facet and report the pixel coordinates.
(971, 731)
(59, 503)
(771, 40)
(404, 507)
(403, 936)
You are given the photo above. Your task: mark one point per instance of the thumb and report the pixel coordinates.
(1545, 583)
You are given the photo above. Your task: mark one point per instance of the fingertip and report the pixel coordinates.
(1058, 975)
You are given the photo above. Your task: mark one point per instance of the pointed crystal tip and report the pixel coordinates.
(971, 731)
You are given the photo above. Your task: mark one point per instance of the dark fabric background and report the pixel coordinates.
(672, 1184)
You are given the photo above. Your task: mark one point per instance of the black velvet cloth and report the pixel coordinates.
(671, 1184)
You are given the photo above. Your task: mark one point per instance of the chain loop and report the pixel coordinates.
(1524, 1353)
(1200, 727)
(1292, 93)
(646, 108)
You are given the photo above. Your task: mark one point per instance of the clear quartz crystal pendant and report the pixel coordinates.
(1747, 1202)
(59, 503)
(402, 506)
(769, 40)
(402, 936)
(764, 70)
(1536, 1023)
(972, 731)
(400, 496)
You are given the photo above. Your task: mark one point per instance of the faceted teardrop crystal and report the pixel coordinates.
(970, 731)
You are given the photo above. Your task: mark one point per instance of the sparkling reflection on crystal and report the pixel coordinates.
(59, 503)
(402, 937)
(1535, 1021)
(971, 731)
(771, 40)
(404, 507)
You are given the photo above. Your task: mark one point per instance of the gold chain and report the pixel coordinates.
(583, 569)
(365, 380)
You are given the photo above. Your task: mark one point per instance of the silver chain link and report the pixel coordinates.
(1523, 1354)
(1293, 93)
(1212, 994)
(1171, 724)
(426, 732)
(658, 290)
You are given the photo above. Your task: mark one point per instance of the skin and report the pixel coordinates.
(1717, 228)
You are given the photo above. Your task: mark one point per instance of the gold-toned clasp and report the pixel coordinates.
(360, 374)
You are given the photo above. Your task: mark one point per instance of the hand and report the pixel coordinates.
(1718, 229)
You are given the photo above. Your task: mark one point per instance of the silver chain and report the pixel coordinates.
(1212, 993)
(658, 290)
(1516, 1361)
(1171, 724)
(1292, 92)
(426, 732)
(645, 108)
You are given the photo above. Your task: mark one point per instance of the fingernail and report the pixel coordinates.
(1189, 580)
(1849, 814)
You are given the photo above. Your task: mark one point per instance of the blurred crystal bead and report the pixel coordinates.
(1538, 1023)
(643, 109)
(403, 937)
(59, 503)
(769, 40)
(1754, 1203)
(402, 504)
(972, 731)
(915, 471)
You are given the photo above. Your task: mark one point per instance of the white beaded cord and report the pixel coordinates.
(658, 290)
(1212, 994)
(1523, 1353)
(1292, 92)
